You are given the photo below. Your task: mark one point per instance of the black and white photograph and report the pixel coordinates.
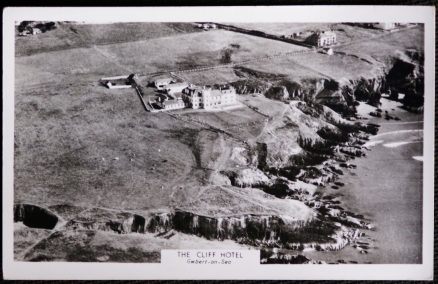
(303, 141)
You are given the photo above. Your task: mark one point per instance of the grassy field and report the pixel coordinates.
(74, 35)
(383, 48)
(78, 142)
(92, 246)
(192, 50)
(344, 33)
(211, 77)
(363, 59)
(298, 68)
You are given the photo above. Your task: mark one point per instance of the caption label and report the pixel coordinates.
(210, 257)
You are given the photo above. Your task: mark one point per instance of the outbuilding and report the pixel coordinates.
(161, 84)
(176, 87)
(173, 104)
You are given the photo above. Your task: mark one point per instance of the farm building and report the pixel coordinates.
(118, 82)
(322, 38)
(176, 87)
(172, 104)
(161, 84)
(169, 102)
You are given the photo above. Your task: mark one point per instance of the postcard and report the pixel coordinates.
(218, 142)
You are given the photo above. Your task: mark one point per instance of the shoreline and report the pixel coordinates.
(375, 245)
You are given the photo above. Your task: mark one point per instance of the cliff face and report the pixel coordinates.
(401, 74)
(406, 76)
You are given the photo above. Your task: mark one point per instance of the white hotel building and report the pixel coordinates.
(208, 98)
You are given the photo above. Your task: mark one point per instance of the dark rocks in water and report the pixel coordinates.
(352, 151)
(373, 125)
(328, 197)
(348, 166)
(338, 183)
(337, 207)
(389, 117)
(375, 114)
(335, 187)
(336, 170)
(333, 135)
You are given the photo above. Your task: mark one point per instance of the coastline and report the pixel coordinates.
(389, 196)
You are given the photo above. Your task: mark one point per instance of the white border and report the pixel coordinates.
(53, 270)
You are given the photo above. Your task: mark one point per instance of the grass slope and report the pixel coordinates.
(73, 35)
